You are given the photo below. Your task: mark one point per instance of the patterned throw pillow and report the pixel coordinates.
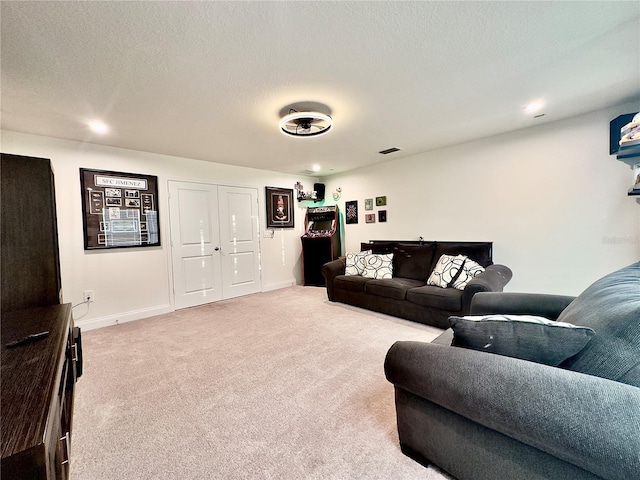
(470, 270)
(378, 266)
(355, 263)
(446, 270)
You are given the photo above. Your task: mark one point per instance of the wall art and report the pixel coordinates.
(279, 203)
(381, 201)
(382, 216)
(119, 209)
(351, 212)
(370, 218)
(368, 203)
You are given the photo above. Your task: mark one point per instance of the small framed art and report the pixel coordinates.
(381, 201)
(370, 218)
(279, 203)
(382, 216)
(368, 203)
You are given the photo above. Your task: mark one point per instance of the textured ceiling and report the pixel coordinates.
(209, 80)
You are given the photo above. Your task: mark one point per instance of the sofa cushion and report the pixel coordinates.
(446, 270)
(350, 283)
(378, 266)
(527, 337)
(354, 263)
(611, 307)
(442, 298)
(413, 261)
(391, 287)
(479, 251)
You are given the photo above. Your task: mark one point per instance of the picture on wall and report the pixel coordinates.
(111, 221)
(382, 216)
(351, 212)
(370, 218)
(279, 203)
(368, 203)
(381, 201)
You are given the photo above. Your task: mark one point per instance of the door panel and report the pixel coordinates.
(195, 243)
(240, 240)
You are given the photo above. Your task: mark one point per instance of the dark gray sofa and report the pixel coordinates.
(406, 295)
(487, 416)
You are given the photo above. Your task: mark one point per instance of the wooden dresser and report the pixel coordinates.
(38, 380)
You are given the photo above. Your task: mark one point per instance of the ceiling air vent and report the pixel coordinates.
(389, 150)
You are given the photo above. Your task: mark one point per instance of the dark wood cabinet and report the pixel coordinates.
(38, 381)
(38, 378)
(29, 254)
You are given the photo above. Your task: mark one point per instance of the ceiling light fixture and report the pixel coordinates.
(534, 107)
(98, 127)
(305, 124)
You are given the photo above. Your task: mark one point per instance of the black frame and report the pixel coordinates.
(130, 199)
(273, 197)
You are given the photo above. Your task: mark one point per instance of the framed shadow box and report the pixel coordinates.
(119, 209)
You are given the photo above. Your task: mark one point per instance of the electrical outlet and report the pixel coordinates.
(89, 296)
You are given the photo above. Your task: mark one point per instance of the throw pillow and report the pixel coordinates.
(355, 263)
(446, 270)
(469, 271)
(378, 266)
(526, 337)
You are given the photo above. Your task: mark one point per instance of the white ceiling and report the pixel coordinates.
(209, 80)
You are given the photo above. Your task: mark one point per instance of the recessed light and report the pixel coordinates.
(316, 168)
(534, 107)
(99, 127)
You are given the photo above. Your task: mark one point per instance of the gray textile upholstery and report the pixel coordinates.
(611, 307)
(406, 295)
(482, 416)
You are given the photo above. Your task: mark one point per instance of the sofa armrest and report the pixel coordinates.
(588, 421)
(493, 279)
(543, 305)
(331, 270)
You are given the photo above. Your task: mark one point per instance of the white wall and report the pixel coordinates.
(134, 283)
(551, 198)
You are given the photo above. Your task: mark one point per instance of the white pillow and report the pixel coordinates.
(378, 266)
(355, 262)
(470, 270)
(446, 270)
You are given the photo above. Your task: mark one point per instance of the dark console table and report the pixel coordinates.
(38, 380)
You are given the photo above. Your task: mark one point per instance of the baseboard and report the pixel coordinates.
(122, 317)
(278, 286)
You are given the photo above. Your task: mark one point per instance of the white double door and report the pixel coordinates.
(215, 250)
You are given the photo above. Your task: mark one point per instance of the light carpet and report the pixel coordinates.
(276, 385)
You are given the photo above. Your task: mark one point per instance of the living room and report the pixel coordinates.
(545, 190)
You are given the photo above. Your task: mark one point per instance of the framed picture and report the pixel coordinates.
(636, 178)
(113, 220)
(370, 218)
(368, 203)
(351, 212)
(279, 207)
(381, 201)
(382, 216)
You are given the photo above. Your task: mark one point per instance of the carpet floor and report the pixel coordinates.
(276, 385)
